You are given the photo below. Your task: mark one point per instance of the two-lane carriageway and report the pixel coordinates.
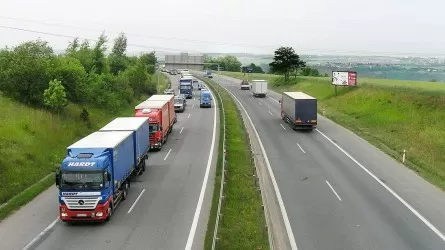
(332, 198)
(167, 207)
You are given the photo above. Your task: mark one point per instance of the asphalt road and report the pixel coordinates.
(160, 208)
(330, 194)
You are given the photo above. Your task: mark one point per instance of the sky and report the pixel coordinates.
(338, 27)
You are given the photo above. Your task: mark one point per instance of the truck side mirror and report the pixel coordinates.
(108, 176)
(57, 178)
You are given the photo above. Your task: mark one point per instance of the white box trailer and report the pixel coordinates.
(259, 88)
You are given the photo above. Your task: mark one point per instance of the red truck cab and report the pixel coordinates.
(160, 121)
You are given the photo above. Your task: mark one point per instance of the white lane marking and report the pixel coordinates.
(136, 201)
(300, 147)
(282, 126)
(189, 115)
(274, 99)
(165, 158)
(289, 231)
(41, 234)
(333, 190)
(260, 104)
(407, 205)
(270, 113)
(192, 233)
(193, 105)
(181, 130)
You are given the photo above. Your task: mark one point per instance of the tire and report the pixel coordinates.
(110, 213)
(125, 192)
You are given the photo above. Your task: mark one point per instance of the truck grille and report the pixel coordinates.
(78, 203)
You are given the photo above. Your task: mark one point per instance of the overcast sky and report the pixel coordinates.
(381, 27)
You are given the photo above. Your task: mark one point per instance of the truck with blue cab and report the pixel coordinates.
(205, 99)
(94, 177)
(186, 87)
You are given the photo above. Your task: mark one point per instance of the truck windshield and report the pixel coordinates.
(186, 87)
(178, 101)
(82, 180)
(153, 128)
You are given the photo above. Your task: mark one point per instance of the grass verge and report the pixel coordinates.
(26, 166)
(391, 114)
(242, 225)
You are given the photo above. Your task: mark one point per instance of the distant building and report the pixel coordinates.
(184, 61)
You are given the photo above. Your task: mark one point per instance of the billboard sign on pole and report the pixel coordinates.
(344, 78)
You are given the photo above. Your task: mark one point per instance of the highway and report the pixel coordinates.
(166, 208)
(339, 192)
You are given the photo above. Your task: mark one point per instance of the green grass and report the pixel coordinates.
(33, 143)
(242, 225)
(391, 114)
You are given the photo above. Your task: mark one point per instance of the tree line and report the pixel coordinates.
(34, 74)
(286, 62)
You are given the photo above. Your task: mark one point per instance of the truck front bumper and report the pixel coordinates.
(100, 213)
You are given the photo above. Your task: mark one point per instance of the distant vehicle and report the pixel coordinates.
(200, 85)
(209, 73)
(299, 110)
(186, 87)
(245, 85)
(169, 92)
(259, 88)
(173, 72)
(179, 104)
(195, 82)
(205, 99)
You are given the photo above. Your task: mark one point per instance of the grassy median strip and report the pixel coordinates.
(393, 115)
(242, 224)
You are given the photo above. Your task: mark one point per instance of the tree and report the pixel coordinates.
(286, 61)
(149, 58)
(230, 63)
(73, 76)
(256, 69)
(55, 96)
(99, 62)
(118, 59)
(26, 74)
(120, 45)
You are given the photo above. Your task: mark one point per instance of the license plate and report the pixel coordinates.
(82, 215)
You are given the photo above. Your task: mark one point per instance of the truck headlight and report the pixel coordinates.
(99, 214)
(63, 214)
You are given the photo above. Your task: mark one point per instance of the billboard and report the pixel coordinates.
(344, 78)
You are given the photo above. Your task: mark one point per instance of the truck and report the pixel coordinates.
(205, 99)
(259, 88)
(245, 85)
(209, 73)
(94, 176)
(186, 87)
(160, 121)
(299, 110)
(171, 104)
(141, 137)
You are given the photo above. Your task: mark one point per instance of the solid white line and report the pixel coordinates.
(300, 147)
(136, 201)
(181, 130)
(41, 234)
(193, 105)
(189, 116)
(165, 158)
(260, 104)
(270, 113)
(274, 99)
(407, 205)
(192, 233)
(282, 126)
(289, 231)
(333, 190)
